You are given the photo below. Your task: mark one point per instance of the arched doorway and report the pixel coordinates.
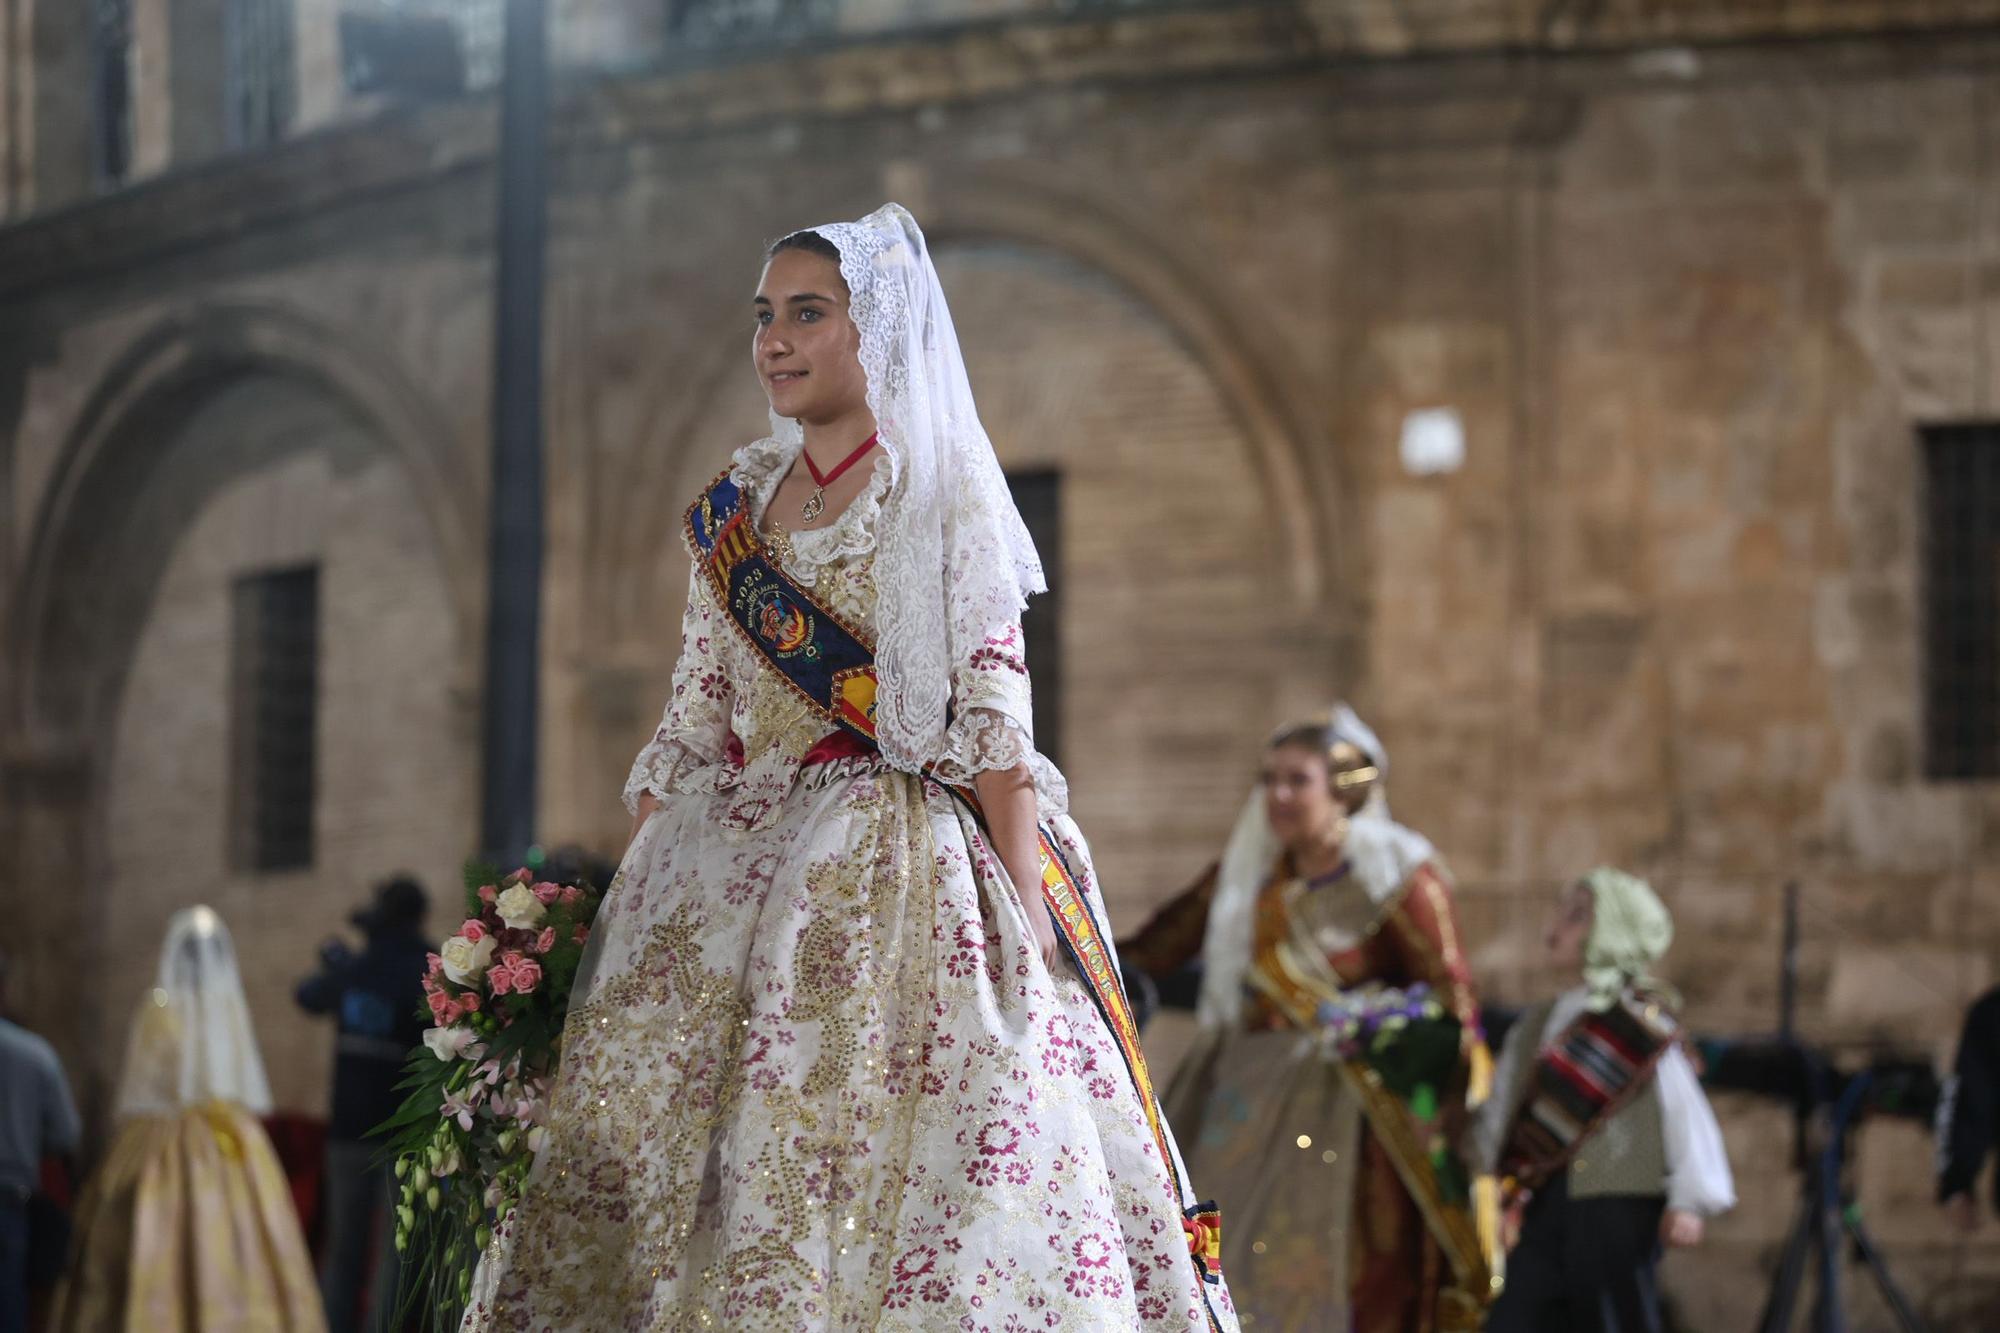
(229, 446)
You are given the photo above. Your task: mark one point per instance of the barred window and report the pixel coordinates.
(424, 48)
(260, 80)
(111, 88)
(718, 23)
(274, 693)
(1038, 495)
(1961, 601)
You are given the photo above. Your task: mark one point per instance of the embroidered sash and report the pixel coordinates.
(1583, 1078)
(831, 665)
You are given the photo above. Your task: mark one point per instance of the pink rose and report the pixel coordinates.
(500, 977)
(433, 964)
(546, 940)
(441, 1005)
(571, 895)
(487, 893)
(581, 934)
(546, 893)
(474, 929)
(527, 976)
(469, 1002)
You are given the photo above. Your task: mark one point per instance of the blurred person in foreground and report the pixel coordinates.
(1968, 1116)
(1351, 1213)
(188, 1225)
(1598, 1125)
(37, 1120)
(376, 997)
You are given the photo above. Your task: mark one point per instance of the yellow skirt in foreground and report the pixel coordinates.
(188, 1227)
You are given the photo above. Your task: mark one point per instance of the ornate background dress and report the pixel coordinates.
(821, 1078)
(187, 1226)
(1336, 1223)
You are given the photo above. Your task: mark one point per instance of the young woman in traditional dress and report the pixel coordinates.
(835, 1065)
(1349, 1212)
(188, 1224)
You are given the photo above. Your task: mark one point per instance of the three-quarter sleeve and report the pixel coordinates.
(1172, 937)
(992, 722)
(1425, 925)
(1698, 1176)
(694, 731)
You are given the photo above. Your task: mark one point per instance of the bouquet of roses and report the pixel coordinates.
(1410, 1044)
(498, 990)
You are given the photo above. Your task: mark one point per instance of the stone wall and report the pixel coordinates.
(1690, 303)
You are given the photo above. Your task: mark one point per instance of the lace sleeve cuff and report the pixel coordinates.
(665, 767)
(980, 741)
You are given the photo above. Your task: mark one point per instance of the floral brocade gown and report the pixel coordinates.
(821, 1078)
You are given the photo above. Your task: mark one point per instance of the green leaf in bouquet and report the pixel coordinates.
(478, 874)
(1453, 1181)
(1425, 1051)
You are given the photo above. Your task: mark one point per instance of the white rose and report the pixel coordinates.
(520, 908)
(466, 962)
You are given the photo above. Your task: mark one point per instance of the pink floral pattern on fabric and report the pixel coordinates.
(821, 1078)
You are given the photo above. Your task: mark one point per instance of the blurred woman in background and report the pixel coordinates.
(188, 1225)
(1348, 1207)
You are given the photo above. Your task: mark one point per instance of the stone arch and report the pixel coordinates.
(153, 447)
(1206, 594)
(1304, 492)
(111, 458)
(1157, 267)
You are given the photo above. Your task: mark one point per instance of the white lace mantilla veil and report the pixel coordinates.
(192, 1041)
(954, 562)
(1246, 863)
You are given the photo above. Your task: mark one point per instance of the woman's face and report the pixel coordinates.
(1298, 798)
(807, 349)
(1569, 927)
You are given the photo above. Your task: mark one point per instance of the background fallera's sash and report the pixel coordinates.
(1591, 1071)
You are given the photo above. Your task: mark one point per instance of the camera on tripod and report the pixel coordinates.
(1827, 1103)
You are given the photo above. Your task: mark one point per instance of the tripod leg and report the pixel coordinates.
(1783, 1300)
(1829, 1315)
(1864, 1245)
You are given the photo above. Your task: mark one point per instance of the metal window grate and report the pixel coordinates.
(1961, 601)
(260, 81)
(1038, 495)
(393, 45)
(700, 24)
(275, 707)
(111, 88)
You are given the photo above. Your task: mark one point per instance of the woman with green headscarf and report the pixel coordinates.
(1598, 1126)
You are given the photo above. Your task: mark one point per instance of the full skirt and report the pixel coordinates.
(821, 1079)
(189, 1227)
(1323, 1237)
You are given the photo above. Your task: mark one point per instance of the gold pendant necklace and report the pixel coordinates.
(815, 504)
